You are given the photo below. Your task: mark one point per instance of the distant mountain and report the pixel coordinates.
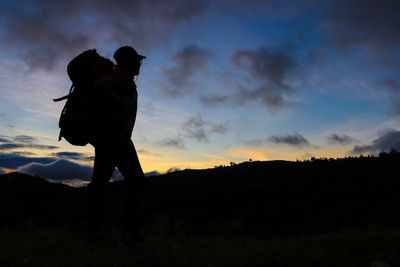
(262, 197)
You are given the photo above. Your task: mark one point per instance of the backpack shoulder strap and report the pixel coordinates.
(64, 97)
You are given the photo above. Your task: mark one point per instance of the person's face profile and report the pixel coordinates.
(136, 65)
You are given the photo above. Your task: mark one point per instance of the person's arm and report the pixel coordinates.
(110, 99)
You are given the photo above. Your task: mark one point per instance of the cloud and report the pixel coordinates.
(213, 100)
(341, 139)
(177, 142)
(46, 32)
(2, 171)
(147, 152)
(16, 159)
(255, 142)
(370, 23)
(389, 139)
(58, 170)
(271, 66)
(3, 116)
(194, 128)
(220, 128)
(189, 61)
(4, 140)
(72, 155)
(394, 89)
(22, 142)
(343, 24)
(295, 139)
(25, 139)
(50, 31)
(392, 84)
(197, 128)
(9, 146)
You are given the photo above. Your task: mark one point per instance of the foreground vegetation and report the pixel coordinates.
(168, 243)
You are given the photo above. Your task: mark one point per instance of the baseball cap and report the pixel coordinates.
(126, 53)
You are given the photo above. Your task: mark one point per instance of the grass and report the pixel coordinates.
(168, 243)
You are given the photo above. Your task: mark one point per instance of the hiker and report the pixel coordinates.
(116, 107)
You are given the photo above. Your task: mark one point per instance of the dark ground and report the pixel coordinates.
(264, 198)
(252, 200)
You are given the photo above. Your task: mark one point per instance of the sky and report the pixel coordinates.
(223, 81)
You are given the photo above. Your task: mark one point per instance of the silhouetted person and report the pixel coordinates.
(116, 101)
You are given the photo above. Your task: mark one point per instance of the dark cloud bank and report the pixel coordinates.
(58, 170)
(370, 23)
(17, 159)
(389, 139)
(43, 32)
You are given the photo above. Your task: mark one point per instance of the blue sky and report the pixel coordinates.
(223, 80)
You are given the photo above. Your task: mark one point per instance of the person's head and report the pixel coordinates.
(127, 58)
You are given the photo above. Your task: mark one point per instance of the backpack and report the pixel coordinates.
(77, 117)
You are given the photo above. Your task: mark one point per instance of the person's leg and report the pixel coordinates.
(104, 166)
(129, 166)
